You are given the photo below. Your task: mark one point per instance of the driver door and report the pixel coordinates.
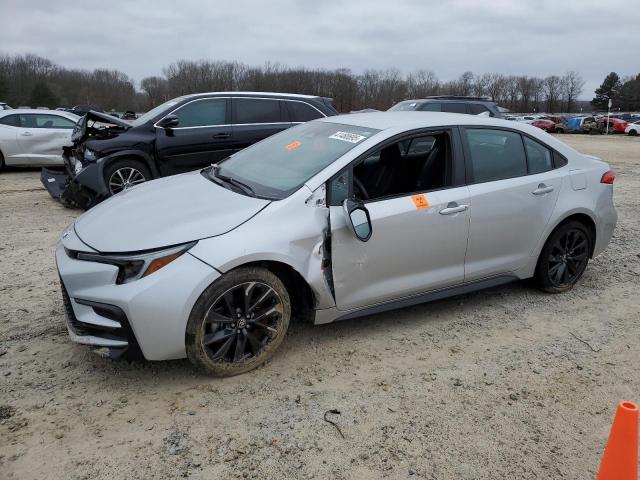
(418, 240)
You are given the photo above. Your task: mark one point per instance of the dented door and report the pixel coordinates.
(418, 244)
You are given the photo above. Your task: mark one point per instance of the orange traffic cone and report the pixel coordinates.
(620, 459)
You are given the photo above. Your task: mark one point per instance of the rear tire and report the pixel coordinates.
(238, 322)
(564, 258)
(633, 133)
(123, 174)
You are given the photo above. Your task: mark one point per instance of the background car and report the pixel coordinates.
(333, 219)
(616, 125)
(451, 104)
(633, 128)
(544, 124)
(34, 138)
(4, 106)
(183, 134)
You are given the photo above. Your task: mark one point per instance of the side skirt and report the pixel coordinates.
(416, 300)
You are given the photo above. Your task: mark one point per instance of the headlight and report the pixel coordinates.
(90, 155)
(134, 266)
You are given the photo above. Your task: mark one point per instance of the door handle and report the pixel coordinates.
(542, 189)
(27, 134)
(221, 136)
(453, 208)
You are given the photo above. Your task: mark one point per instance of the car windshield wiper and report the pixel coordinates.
(215, 171)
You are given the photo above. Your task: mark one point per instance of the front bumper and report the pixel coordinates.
(78, 185)
(147, 317)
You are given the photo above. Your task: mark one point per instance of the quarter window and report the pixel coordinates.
(538, 156)
(256, 110)
(431, 107)
(11, 120)
(495, 154)
(302, 112)
(478, 108)
(202, 113)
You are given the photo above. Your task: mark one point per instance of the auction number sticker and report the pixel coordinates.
(293, 145)
(420, 201)
(348, 137)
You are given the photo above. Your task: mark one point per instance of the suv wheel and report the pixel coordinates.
(564, 258)
(125, 174)
(238, 322)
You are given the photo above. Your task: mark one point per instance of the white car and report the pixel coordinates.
(4, 106)
(34, 138)
(633, 128)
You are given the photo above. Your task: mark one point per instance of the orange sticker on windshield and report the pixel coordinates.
(294, 144)
(420, 201)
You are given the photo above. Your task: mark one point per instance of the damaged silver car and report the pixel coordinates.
(332, 219)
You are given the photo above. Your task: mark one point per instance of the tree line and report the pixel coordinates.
(36, 81)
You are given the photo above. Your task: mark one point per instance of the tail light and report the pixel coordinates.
(608, 177)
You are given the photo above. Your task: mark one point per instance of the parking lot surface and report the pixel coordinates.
(504, 383)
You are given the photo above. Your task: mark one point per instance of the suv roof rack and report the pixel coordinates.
(458, 97)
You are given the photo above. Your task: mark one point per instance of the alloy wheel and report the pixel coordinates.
(241, 322)
(568, 257)
(124, 178)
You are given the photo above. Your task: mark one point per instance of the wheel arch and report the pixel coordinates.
(582, 217)
(138, 155)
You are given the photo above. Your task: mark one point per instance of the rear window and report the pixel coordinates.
(496, 154)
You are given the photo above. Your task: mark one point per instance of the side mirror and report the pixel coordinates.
(170, 121)
(358, 219)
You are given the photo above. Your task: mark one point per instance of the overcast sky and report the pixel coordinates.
(140, 37)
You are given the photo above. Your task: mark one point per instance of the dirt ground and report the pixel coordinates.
(505, 383)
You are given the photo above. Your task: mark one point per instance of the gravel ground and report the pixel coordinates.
(504, 383)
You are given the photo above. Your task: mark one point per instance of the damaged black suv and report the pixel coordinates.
(190, 132)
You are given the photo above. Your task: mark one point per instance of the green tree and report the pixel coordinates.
(42, 96)
(608, 90)
(629, 97)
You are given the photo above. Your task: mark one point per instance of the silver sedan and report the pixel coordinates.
(34, 138)
(330, 220)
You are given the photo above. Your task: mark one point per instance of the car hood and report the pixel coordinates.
(94, 122)
(165, 212)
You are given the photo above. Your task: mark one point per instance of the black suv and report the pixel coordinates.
(451, 104)
(190, 132)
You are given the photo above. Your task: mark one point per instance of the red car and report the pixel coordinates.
(616, 125)
(546, 125)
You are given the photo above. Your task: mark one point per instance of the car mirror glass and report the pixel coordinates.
(358, 219)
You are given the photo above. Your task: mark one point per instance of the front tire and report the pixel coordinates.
(124, 174)
(238, 322)
(564, 258)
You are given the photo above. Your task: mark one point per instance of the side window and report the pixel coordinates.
(454, 107)
(538, 156)
(478, 109)
(202, 113)
(396, 170)
(431, 107)
(302, 112)
(495, 154)
(52, 121)
(11, 120)
(256, 110)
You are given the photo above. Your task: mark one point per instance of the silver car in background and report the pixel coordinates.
(34, 138)
(330, 220)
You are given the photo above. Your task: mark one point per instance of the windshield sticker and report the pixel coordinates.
(293, 145)
(420, 201)
(348, 137)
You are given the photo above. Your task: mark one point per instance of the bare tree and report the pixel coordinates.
(572, 85)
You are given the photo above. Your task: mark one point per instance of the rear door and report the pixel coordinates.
(9, 138)
(41, 137)
(255, 119)
(513, 190)
(203, 136)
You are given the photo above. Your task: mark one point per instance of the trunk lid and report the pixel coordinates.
(164, 212)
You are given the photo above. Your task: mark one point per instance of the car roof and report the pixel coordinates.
(257, 94)
(409, 120)
(34, 110)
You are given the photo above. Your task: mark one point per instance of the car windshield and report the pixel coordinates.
(144, 118)
(279, 165)
(405, 106)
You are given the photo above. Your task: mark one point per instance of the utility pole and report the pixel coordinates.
(608, 114)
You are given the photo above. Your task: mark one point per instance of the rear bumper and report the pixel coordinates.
(146, 318)
(77, 185)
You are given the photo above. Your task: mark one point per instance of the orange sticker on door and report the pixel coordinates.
(294, 144)
(420, 201)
